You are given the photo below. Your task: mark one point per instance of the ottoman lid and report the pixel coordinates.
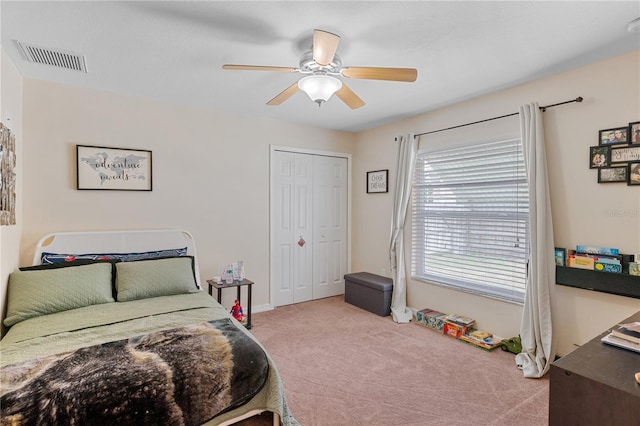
(370, 280)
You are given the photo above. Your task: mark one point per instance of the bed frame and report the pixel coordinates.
(117, 242)
(127, 241)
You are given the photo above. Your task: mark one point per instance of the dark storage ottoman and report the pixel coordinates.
(369, 291)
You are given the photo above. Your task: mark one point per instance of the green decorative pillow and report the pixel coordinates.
(40, 292)
(79, 262)
(152, 278)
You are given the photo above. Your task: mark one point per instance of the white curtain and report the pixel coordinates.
(405, 165)
(536, 330)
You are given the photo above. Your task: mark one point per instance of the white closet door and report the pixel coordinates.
(309, 226)
(292, 214)
(303, 229)
(329, 225)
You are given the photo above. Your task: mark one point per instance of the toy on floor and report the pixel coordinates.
(237, 312)
(512, 345)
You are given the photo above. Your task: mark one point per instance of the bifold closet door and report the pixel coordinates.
(292, 248)
(309, 224)
(329, 225)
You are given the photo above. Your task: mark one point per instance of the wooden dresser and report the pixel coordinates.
(595, 385)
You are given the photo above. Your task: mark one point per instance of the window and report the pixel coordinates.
(470, 219)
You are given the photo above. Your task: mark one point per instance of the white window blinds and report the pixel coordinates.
(470, 219)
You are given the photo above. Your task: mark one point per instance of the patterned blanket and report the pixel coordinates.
(182, 376)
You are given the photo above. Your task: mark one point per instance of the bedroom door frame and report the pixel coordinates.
(294, 150)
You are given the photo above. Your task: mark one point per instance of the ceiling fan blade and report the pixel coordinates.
(390, 74)
(284, 95)
(348, 97)
(257, 68)
(325, 45)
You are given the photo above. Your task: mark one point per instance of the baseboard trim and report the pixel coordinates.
(261, 308)
(268, 307)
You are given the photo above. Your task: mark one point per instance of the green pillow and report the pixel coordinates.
(41, 292)
(152, 278)
(78, 262)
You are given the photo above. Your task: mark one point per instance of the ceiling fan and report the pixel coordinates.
(322, 66)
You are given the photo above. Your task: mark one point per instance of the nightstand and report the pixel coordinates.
(238, 285)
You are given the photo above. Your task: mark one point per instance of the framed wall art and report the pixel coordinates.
(377, 181)
(7, 176)
(625, 154)
(612, 174)
(120, 169)
(613, 136)
(599, 156)
(634, 132)
(634, 173)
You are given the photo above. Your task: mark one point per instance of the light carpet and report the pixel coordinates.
(342, 365)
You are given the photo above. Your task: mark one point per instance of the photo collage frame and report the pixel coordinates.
(617, 155)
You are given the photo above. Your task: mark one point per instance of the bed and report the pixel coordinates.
(113, 327)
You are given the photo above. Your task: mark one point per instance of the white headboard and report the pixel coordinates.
(117, 242)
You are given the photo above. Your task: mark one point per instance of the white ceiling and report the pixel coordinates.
(174, 50)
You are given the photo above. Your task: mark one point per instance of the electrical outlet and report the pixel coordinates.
(383, 272)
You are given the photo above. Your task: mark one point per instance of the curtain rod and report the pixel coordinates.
(542, 108)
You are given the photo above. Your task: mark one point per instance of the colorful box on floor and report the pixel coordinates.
(420, 315)
(432, 319)
(457, 325)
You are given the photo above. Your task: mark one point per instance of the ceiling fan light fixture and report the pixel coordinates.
(320, 87)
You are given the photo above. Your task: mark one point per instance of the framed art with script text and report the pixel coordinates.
(120, 169)
(625, 154)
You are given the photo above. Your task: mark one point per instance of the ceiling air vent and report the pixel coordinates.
(57, 58)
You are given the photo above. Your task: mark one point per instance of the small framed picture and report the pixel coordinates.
(612, 174)
(625, 154)
(377, 181)
(634, 173)
(634, 132)
(599, 156)
(561, 256)
(614, 136)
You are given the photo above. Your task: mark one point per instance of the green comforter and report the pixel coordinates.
(69, 331)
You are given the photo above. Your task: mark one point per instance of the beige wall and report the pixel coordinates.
(210, 173)
(584, 212)
(210, 177)
(11, 116)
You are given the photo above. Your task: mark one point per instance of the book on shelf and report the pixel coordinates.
(614, 268)
(580, 262)
(609, 251)
(605, 259)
